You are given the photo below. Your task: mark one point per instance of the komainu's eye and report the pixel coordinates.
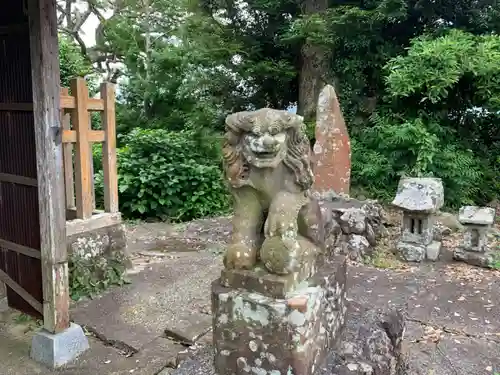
(274, 129)
(256, 131)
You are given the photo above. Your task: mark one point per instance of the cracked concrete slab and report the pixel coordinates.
(15, 339)
(105, 360)
(454, 355)
(189, 328)
(432, 296)
(160, 297)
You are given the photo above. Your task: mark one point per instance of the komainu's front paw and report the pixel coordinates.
(280, 255)
(280, 225)
(239, 256)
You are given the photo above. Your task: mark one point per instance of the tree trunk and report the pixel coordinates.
(314, 67)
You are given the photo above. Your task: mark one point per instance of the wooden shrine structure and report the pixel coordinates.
(45, 161)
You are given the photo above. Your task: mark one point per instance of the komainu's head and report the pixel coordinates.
(263, 139)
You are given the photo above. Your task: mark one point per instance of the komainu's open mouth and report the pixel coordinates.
(266, 154)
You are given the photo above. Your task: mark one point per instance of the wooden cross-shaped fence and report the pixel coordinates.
(78, 138)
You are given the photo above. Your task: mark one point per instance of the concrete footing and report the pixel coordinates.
(56, 350)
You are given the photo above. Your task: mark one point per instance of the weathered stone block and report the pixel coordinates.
(433, 250)
(255, 333)
(102, 234)
(479, 259)
(420, 194)
(476, 215)
(259, 280)
(99, 241)
(411, 252)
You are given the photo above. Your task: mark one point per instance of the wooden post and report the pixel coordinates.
(81, 125)
(109, 149)
(48, 137)
(92, 175)
(69, 173)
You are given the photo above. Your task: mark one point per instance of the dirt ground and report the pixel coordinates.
(453, 326)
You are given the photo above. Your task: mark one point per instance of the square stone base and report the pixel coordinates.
(413, 252)
(56, 350)
(256, 333)
(474, 258)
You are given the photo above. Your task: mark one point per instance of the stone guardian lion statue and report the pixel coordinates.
(267, 163)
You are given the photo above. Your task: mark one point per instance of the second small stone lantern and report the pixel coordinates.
(420, 199)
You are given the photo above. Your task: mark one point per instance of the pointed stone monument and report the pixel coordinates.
(332, 150)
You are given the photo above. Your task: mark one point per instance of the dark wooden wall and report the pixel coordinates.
(19, 207)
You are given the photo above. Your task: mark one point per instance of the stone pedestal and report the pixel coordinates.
(372, 343)
(277, 326)
(474, 248)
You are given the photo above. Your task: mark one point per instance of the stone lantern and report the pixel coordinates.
(477, 221)
(420, 199)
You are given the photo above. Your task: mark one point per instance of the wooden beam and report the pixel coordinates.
(20, 180)
(81, 124)
(14, 28)
(93, 136)
(32, 253)
(69, 102)
(48, 138)
(20, 107)
(69, 173)
(22, 292)
(109, 165)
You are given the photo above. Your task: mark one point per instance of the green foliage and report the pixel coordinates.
(169, 175)
(431, 125)
(72, 64)
(89, 276)
(495, 264)
(418, 82)
(434, 68)
(394, 149)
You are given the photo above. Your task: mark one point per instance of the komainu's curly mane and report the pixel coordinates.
(298, 154)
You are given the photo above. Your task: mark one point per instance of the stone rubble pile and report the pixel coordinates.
(353, 226)
(372, 344)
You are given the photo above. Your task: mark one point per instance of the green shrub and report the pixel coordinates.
(391, 149)
(89, 276)
(168, 175)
